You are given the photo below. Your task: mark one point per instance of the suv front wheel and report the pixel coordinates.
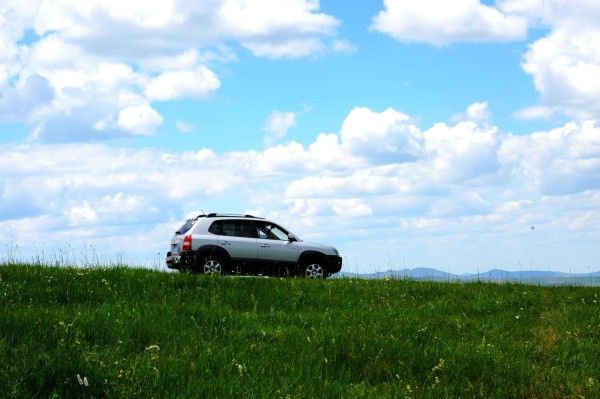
(314, 270)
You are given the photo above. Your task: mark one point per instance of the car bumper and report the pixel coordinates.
(334, 264)
(173, 260)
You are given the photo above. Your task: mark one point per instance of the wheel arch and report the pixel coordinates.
(213, 250)
(309, 257)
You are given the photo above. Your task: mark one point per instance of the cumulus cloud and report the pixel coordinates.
(389, 136)
(532, 9)
(463, 178)
(564, 160)
(172, 85)
(462, 152)
(17, 102)
(139, 119)
(534, 112)
(277, 29)
(92, 69)
(564, 63)
(565, 66)
(279, 122)
(441, 23)
(351, 207)
(81, 214)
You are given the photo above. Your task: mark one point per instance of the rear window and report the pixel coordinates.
(187, 225)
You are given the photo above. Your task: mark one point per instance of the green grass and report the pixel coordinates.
(143, 333)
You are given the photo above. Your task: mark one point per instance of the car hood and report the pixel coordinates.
(317, 246)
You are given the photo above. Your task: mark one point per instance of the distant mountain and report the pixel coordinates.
(495, 275)
(418, 273)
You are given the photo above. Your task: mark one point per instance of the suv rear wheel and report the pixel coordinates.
(211, 265)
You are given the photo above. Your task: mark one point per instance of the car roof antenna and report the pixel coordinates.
(202, 212)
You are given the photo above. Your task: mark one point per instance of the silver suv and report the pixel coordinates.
(245, 244)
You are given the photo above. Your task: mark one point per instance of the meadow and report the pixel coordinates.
(127, 332)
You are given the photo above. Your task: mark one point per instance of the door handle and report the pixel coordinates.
(225, 243)
(264, 245)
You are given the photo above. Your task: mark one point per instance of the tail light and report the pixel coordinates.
(187, 243)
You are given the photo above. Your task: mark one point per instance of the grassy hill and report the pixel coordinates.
(124, 332)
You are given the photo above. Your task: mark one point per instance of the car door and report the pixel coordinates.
(275, 250)
(238, 237)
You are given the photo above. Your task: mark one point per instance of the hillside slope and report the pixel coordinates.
(125, 332)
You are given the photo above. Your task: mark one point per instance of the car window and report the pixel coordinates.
(228, 228)
(215, 227)
(271, 231)
(238, 228)
(244, 228)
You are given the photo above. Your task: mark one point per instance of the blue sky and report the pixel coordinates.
(429, 134)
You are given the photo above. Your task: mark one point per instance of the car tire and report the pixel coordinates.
(314, 269)
(211, 265)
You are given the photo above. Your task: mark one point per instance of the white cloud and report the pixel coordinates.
(563, 160)
(277, 29)
(140, 119)
(100, 58)
(14, 17)
(565, 66)
(81, 214)
(351, 207)
(565, 63)
(533, 9)
(386, 137)
(462, 152)
(286, 48)
(32, 93)
(535, 112)
(279, 122)
(478, 112)
(172, 85)
(440, 23)
(469, 189)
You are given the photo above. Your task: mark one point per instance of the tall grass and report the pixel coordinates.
(121, 332)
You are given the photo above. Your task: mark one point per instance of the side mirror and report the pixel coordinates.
(292, 237)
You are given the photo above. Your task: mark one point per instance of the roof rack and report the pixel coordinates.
(214, 215)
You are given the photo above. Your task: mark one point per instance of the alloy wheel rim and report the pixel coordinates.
(212, 267)
(314, 271)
